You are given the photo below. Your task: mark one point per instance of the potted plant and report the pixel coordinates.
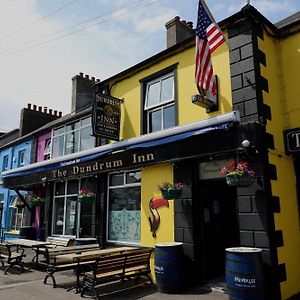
(86, 195)
(36, 200)
(238, 174)
(170, 190)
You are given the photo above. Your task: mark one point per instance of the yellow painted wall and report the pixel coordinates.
(151, 177)
(130, 90)
(290, 48)
(279, 100)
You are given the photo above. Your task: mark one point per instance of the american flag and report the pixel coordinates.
(208, 39)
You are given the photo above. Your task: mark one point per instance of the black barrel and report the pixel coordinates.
(85, 241)
(169, 267)
(27, 232)
(244, 274)
(41, 234)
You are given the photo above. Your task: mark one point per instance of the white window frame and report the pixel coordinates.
(5, 161)
(161, 105)
(47, 149)
(109, 187)
(21, 155)
(65, 196)
(65, 133)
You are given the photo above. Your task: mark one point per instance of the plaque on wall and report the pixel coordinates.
(292, 141)
(106, 117)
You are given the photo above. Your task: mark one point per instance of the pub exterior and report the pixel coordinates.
(164, 136)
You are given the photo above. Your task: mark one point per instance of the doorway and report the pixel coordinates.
(219, 225)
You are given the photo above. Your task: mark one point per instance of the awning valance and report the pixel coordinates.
(221, 122)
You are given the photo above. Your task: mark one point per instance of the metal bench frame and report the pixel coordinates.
(13, 255)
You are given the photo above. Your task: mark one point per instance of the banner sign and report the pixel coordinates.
(106, 117)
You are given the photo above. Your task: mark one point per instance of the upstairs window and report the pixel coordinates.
(73, 137)
(47, 150)
(21, 161)
(5, 163)
(159, 104)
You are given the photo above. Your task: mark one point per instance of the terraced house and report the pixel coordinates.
(166, 135)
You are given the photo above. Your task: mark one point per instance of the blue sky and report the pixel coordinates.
(44, 43)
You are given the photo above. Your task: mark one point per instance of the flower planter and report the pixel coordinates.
(86, 198)
(239, 180)
(36, 202)
(171, 194)
(20, 205)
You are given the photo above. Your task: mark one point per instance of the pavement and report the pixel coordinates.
(29, 286)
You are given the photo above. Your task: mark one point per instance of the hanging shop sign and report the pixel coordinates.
(106, 117)
(292, 141)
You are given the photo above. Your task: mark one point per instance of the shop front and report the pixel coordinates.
(129, 209)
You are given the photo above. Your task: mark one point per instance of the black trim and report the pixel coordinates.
(275, 204)
(269, 140)
(272, 171)
(278, 238)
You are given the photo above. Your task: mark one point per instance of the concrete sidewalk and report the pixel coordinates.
(29, 286)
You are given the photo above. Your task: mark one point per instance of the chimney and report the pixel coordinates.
(178, 31)
(82, 92)
(33, 117)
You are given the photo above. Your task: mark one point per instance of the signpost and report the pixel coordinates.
(106, 117)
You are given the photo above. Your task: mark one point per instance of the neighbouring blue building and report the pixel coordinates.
(13, 155)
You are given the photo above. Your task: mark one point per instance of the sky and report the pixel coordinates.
(44, 43)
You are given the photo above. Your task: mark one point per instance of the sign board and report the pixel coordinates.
(292, 141)
(106, 117)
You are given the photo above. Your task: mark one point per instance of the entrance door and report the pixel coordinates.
(219, 225)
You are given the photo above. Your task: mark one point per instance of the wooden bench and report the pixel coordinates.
(12, 255)
(130, 264)
(55, 259)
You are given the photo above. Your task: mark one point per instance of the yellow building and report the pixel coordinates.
(166, 136)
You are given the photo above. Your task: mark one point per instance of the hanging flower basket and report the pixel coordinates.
(85, 195)
(36, 202)
(86, 198)
(171, 194)
(238, 174)
(239, 180)
(170, 191)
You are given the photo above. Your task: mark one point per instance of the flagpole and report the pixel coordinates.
(226, 41)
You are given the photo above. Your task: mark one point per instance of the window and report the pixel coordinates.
(65, 208)
(69, 216)
(160, 103)
(5, 163)
(124, 207)
(72, 138)
(47, 150)
(16, 214)
(21, 161)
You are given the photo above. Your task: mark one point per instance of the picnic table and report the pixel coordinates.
(25, 243)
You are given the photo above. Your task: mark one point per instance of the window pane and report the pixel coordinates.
(169, 116)
(59, 188)
(72, 187)
(58, 219)
(155, 121)
(167, 89)
(116, 179)
(73, 126)
(87, 140)
(86, 121)
(124, 214)
(71, 216)
(133, 177)
(58, 131)
(72, 142)
(58, 146)
(152, 97)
